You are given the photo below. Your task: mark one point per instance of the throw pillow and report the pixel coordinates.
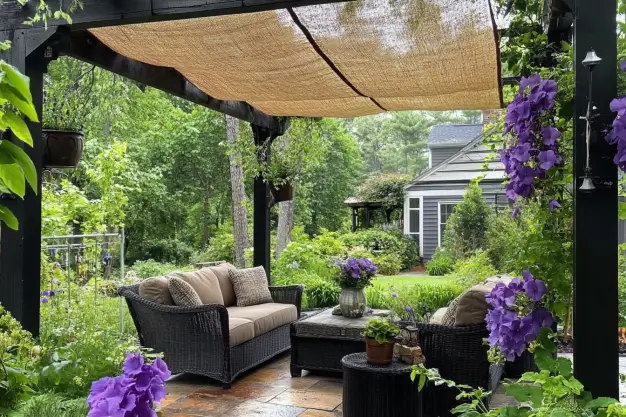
(472, 305)
(250, 286)
(155, 289)
(205, 283)
(448, 316)
(183, 294)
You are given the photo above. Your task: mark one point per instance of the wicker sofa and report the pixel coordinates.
(215, 340)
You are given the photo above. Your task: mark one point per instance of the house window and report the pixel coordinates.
(415, 227)
(445, 211)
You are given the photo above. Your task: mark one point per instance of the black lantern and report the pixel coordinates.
(590, 62)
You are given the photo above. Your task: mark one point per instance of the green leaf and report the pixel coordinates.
(600, 402)
(20, 103)
(422, 381)
(8, 218)
(564, 367)
(18, 126)
(13, 178)
(559, 412)
(24, 162)
(462, 408)
(17, 80)
(6, 158)
(523, 393)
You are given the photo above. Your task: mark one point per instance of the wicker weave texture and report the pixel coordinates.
(196, 339)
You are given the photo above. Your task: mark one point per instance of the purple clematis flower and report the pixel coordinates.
(553, 205)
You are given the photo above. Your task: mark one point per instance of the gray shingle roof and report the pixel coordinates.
(454, 134)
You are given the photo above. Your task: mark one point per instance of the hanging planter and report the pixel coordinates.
(62, 148)
(282, 192)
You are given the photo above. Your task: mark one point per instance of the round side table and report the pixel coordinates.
(378, 391)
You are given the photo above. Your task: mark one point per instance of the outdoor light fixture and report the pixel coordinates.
(590, 61)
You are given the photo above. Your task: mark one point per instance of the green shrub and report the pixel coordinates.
(388, 242)
(52, 405)
(504, 237)
(622, 286)
(466, 228)
(152, 268)
(321, 293)
(474, 269)
(166, 251)
(360, 252)
(409, 252)
(388, 264)
(441, 263)
(304, 257)
(221, 247)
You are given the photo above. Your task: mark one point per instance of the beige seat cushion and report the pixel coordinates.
(205, 283)
(155, 289)
(250, 286)
(240, 330)
(266, 316)
(182, 293)
(437, 318)
(228, 293)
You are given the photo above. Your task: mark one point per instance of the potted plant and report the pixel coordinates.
(380, 337)
(354, 276)
(66, 105)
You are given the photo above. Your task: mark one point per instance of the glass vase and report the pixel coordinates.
(352, 302)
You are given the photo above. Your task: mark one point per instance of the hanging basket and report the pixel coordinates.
(283, 192)
(62, 148)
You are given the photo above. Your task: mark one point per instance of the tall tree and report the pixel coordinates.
(238, 193)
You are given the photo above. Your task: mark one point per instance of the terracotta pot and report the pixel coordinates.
(62, 148)
(379, 354)
(282, 192)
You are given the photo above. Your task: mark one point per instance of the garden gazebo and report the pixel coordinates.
(262, 60)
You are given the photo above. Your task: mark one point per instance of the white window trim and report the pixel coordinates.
(407, 218)
(430, 158)
(439, 203)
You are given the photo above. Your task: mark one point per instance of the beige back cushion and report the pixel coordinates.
(155, 289)
(205, 283)
(183, 293)
(228, 293)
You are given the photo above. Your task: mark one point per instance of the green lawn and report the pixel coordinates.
(405, 280)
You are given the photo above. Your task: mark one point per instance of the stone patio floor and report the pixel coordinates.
(270, 391)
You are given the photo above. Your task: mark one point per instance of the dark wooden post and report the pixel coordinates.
(367, 217)
(595, 212)
(20, 251)
(355, 218)
(261, 237)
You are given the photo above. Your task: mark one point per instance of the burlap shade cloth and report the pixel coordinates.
(333, 60)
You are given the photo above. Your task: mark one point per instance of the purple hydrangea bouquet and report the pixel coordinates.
(516, 316)
(356, 273)
(134, 393)
(531, 147)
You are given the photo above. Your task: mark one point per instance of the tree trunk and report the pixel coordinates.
(205, 216)
(285, 224)
(240, 213)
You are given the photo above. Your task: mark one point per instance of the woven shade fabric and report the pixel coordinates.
(332, 60)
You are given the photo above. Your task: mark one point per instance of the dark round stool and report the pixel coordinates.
(378, 391)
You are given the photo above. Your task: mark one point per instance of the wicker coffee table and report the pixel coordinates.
(319, 341)
(378, 391)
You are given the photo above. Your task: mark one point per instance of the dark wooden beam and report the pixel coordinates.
(595, 212)
(98, 13)
(20, 251)
(261, 233)
(86, 47)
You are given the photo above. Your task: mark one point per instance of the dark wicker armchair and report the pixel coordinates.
(196, 339)
(461, 356)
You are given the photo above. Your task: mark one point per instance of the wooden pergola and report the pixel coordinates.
(595, 214)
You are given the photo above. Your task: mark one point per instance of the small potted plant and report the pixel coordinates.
(354, 276)
(380, 336)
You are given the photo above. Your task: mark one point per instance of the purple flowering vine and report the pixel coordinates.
(617, 134)
(134, 393)
(516, 315)
(531, 147)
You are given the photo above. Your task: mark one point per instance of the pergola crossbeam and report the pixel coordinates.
(98, 13)
(86, 47)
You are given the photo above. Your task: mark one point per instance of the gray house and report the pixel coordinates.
(456, 157)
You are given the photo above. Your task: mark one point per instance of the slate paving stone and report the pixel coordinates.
(259, 409)
(308, 399)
